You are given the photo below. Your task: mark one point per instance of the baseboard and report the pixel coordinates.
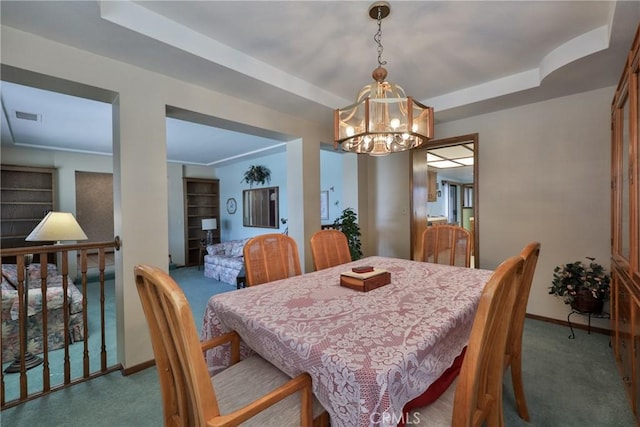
(137, 368)
(565, 323)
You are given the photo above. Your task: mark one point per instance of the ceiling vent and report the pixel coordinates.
(27, 116)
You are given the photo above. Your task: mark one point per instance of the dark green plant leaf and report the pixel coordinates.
(256, 174)
(347, 222)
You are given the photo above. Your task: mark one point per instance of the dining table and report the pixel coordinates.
(368, 353)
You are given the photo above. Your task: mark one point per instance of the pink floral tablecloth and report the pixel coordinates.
(369, 353)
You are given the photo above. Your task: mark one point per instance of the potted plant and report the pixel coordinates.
(584, 287)
(347, 222)
(256, 174)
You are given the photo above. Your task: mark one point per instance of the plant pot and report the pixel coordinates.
(586, 303)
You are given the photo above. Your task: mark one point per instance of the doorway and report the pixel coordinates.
(452, 215)
(450, 162)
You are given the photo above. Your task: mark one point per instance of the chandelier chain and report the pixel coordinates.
(378, 39)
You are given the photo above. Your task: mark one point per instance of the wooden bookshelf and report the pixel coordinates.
(27, 194)
(201, 200)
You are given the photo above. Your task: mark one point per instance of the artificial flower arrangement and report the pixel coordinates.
(572, 279)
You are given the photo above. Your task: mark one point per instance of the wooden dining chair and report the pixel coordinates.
(270, 257)
(329, 248)
(447, 244)
(251, 390)
(513, 355)
(476, 396)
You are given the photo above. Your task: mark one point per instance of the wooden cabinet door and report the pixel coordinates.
(625, 224)
(624, 339)
(432, 185)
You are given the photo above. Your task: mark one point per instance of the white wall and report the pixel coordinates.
(389, 231)
(175, 211)
(331, 166)
(231, 226)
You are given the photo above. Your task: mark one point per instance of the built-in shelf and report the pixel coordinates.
(26, 196)
(201, 200)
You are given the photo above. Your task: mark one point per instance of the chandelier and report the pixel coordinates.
(384, 119)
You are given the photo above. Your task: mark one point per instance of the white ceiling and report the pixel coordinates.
(307, 58)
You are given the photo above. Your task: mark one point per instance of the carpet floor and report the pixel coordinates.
(568, 382)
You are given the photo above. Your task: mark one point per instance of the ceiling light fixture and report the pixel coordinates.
(384, 119)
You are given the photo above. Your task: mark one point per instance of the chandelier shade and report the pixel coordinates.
(384, 119)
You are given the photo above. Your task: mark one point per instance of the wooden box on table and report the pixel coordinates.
(367, 281)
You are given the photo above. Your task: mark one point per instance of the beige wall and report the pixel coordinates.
(139, 162)
(545, 175)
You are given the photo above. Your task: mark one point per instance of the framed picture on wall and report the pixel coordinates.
(324, 205)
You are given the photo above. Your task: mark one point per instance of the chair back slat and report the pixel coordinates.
(447, 244)
(530, 255)
(187, 394)
(478, 394)
(270, 257)
(513, 354)
(329, 248)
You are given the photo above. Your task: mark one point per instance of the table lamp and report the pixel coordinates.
(209, 224)
(56, 227)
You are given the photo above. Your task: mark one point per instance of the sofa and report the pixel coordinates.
(224, 261)
(55, 314)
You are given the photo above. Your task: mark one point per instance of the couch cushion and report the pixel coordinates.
(55, 298)
(6, 286)
(231, 248)
(215, 249)
(237, 247)
(235, 263)
(10, 273)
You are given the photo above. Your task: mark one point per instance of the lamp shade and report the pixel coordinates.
(57, 226)
(209, 224)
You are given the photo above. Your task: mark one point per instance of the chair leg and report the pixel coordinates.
(321, 420)
(518, 389)
(495, 417)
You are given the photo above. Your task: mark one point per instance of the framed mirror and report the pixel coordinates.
(260, 207)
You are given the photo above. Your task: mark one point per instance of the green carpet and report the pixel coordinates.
(567, 382)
